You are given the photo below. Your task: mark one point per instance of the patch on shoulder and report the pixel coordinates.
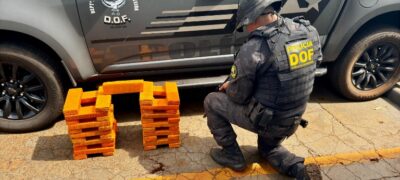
(300, 54)
(233, 72)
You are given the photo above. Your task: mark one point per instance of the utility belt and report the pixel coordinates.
(263, 117)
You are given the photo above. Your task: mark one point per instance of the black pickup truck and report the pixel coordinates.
(47, 46)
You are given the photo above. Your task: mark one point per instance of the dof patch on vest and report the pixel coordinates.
(300, 54)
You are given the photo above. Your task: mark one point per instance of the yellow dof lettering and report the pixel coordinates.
(310, 54)
(303, 56)
(294, 59)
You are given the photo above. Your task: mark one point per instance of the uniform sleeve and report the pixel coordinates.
(243, 72)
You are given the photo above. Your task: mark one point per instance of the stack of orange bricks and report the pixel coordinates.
(92, 126)
(91, 123)
(159, 107)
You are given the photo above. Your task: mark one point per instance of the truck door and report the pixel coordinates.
(321, 13)
(140, 35)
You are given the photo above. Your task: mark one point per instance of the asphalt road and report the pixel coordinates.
(351, 140)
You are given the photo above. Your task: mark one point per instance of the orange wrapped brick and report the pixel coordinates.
(73, 102)
(159, 91)
(109, 117)
(172, 93)
(89, 123)
(123, 87)
(149, 147)
(103, 103)
(100, 90)
(153, 147)
(169, 120)
(160, 140)
(146, 96)
(159, 104)
(84, 156)
(85, 147)
(149, 139)
(93, 140)
(102, 134)
(173, 130)
(100, 129)
(145, 111)
(160, 115)
(151, 142)
(93, 149)
(86, 112)
(89, 97)
(102, 119)
(159, 124)
(97, 117)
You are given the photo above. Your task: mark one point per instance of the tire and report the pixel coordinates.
(36, 83)
(364, 81)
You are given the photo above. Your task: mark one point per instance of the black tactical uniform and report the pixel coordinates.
(269, 86)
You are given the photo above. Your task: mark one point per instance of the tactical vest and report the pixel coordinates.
(286, 84)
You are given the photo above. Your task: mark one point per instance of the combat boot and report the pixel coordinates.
(229, 156)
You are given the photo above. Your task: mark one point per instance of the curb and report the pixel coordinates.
(394, 94)
(256, 169)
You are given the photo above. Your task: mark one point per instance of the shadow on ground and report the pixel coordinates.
(391, 103)
(129, 138)
(323, 92)
(53, 148)
(192, 156)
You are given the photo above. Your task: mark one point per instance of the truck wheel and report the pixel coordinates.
(370, 67)
(31, 94)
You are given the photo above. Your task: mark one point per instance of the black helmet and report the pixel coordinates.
(249, 10)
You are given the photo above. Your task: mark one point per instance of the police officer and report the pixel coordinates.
(268, 88)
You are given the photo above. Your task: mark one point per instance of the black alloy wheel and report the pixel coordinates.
(22, 94)
(375, 66)
(369, 65)
(31, 90)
